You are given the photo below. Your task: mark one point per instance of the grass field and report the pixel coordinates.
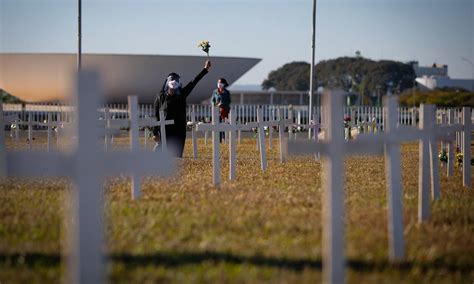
(264, 227)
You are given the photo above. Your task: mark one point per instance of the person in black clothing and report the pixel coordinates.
(172, 101)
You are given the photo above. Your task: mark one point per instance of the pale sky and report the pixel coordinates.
(277, 31)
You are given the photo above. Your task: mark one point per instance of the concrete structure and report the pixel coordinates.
(48, 77)
(436, 76)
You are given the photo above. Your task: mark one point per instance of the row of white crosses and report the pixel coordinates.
(333, 149)
(134, 123)
(14, 120)
(231, 128)
(216, 127)
(449, 146)
(113, 126)
(87, 165)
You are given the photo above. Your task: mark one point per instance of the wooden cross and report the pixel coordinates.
(30, 123)
(11, 120)
(445, 133)
(260, 125)
(87, 166)
(215, 128)
(50, 124)
(193, 124)
(290, 125)
(333, 149)
(282, 123)
(162, 122)
(466, 151)
(134, 142)
(333, 203)
(314, 126)
(232, 141)
(112, 127)
(270, 129)
(146, 134)
(450, 151)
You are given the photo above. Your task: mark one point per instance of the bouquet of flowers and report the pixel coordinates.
(459, 157)
(266, 129)
(204, 45)
(255, 132)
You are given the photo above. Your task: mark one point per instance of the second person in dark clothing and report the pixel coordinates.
(172, 101)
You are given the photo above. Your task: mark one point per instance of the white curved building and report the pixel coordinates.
(49, 77)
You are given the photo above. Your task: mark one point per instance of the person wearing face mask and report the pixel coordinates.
(221, 99)
(172, 101)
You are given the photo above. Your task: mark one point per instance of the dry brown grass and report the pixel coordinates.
(262, 227)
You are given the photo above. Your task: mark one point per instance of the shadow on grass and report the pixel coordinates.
(176, 259)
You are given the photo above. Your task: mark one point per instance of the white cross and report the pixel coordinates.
(146, 134)
(232, 142)
(260, 125)
(11, 120)
(50, 124)
(445, 133)
(333, 203)
(312, 125)
(450, 150)
(30, 123)
(333, 149)
(270, 129)
(134, 142)
(193, 124)
(216, 127)
(87, 165)
(162, 122)
(282, 123)
(112, 127)
(290, 125)
(467, 136)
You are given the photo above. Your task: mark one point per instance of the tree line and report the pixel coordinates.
(364, 77)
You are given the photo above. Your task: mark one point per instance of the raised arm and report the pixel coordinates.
(190, 86)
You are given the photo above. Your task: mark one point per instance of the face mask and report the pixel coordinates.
(220, 86)
(173, 84)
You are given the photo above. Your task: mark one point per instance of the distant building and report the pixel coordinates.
(49, 77)
(436, 76)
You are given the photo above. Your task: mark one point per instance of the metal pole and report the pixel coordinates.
(311, 73)
(79, 36)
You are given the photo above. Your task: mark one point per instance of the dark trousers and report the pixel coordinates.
(224, 113)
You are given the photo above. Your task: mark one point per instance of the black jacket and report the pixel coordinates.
(174, 107)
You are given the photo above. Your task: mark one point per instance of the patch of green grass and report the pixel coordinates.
(263, 227)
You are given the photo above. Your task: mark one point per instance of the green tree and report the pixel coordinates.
(290, 77)
(8, 98)
(357, 74)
